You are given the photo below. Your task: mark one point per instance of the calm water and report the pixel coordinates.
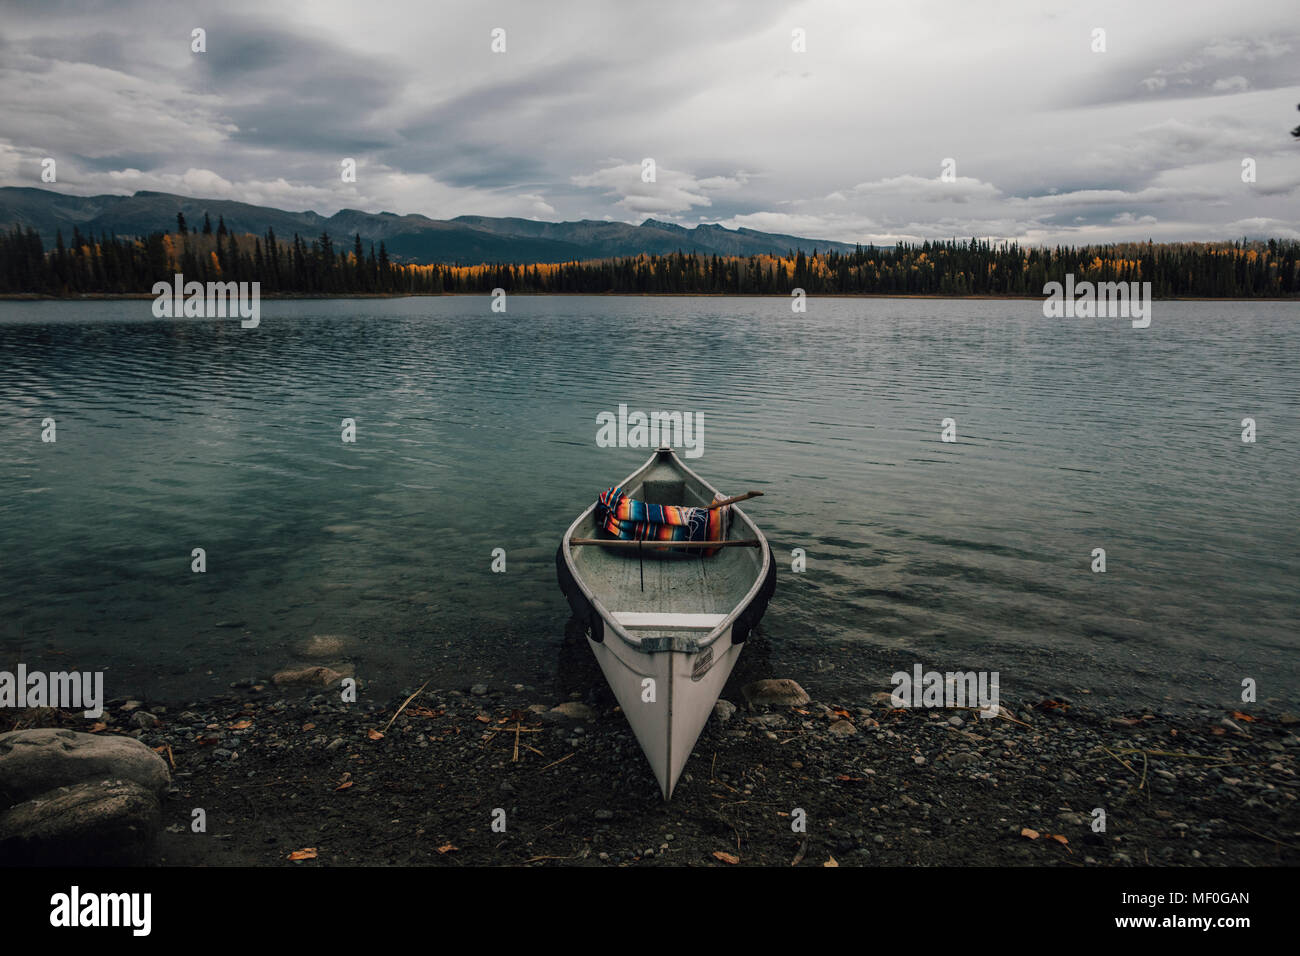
(476, 431)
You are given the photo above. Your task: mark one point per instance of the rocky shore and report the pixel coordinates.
(269, 774)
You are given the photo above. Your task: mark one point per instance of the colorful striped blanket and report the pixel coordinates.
(634, 520)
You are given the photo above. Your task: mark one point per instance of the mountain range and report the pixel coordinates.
(410, 238)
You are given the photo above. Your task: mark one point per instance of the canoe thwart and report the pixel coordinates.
(666, 621)
(623, 543)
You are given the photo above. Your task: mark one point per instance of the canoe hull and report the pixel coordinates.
(666, 696)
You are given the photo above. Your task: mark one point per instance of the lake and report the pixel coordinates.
(476, 431)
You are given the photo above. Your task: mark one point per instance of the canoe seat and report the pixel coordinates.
(660, 621)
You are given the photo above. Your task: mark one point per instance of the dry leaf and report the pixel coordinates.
(448, 848)
(1032, 834)
(307, 727)
(307, 854)
(1058, 838)
(1238, 715)
(725, 857)
(374, 734)
(483, 719)
(840, 712)
(98, 726)
(242, 725)
(798, 857)
(343, 786)
(830, 862)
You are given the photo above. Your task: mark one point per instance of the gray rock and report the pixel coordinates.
(576, 710)
(843, 728)
(604, 814)
(102, 823)
(320, 676)
(33, 762)
(145, 720)
(479, 690)
(724, 710)
(778, 692)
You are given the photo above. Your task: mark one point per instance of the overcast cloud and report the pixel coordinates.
(1052, 142)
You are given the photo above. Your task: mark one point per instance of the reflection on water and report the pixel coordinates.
(476, 430)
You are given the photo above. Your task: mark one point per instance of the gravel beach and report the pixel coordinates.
(488, 776)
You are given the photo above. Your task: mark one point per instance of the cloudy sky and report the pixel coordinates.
(1051, 141)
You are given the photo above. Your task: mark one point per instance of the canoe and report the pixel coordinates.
(666, 627)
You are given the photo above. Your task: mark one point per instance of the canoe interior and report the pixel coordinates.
(674, 583)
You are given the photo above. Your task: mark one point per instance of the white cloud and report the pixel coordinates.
(1231, 84)
(672, 191)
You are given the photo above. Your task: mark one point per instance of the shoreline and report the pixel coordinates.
(290, 296)
(279, 768)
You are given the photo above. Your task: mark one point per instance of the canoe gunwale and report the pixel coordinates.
(676, 643)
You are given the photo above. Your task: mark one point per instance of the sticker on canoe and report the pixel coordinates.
(702, 664)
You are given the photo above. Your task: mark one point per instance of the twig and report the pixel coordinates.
(536, 858)
(553, 763)
(1124, 763)
(403, 707)
(1265, 836)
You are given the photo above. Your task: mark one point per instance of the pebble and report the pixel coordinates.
(479, 690)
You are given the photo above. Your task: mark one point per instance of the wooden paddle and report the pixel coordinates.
(731, 501)
(623, 543)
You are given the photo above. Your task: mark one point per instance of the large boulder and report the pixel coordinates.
(74, 799)
(775, 692)
(101, 823)
(35, 761)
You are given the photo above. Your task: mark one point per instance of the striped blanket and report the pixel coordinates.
(634, 520)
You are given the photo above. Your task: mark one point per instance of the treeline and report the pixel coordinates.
(111, 264)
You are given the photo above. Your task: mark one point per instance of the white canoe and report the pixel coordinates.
(666, 628)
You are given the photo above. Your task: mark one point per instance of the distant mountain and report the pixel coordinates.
(413, 238)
